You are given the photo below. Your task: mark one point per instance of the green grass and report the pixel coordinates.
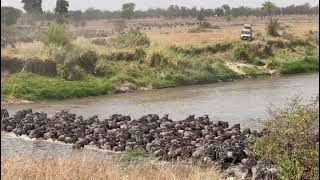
(254, 71)
(36, 87)
(223, 72)
(134, 157)
(307, 64)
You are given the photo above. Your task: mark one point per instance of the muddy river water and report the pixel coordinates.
(243, 102)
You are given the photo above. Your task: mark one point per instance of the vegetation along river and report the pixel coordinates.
(243, 102)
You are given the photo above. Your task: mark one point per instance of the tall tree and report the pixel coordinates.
(128, 10)
(219, 11)
(9, 15)
(32, 6)
(201, 15)
(273, 25)
(226, 8)
(269, 6)
(61, 10)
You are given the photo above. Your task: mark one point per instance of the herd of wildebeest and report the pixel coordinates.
(192, 139)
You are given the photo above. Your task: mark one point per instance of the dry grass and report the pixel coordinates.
(230, 30)
(87, 166)
(35, 49)
(297, 25)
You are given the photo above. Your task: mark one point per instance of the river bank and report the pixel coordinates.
(118, 66)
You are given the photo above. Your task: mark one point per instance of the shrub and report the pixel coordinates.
(55, 34)
(291, 144)
(243, 52)
(220, 47)
(105, 68)
(57, 53)
(157, 59)
(87, 60)
(278, 42)
(273, 27)
(120, 56)
(313, 36)
(69, 70)
(131, 39)
(139, 55)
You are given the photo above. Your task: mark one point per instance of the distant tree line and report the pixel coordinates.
(61, 13)
(175, 11)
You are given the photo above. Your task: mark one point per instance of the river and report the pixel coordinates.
(243, 102)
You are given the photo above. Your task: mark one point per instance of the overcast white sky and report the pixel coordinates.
(145, 4)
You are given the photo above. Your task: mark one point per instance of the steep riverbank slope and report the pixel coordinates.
(97, 67)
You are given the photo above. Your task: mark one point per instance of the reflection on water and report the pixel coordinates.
(242, 102)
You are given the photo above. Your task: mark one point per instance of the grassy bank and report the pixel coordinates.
(131, 61)
(34, 87)
(89, 166)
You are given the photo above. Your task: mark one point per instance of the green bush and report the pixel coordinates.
(122, 55)
(157, 59)
(312, 36)
(57, 53)
(106, 68)
(139, 55)
(243, 52)
(70, 70)
(291, 144)
(55, 34)
(279, 42)
(87, 60)
(131, 39)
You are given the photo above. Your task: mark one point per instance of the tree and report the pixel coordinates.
(9, 15)
(226, 9)
(61, 10)
(32, 6)
(201, 15)
(219, 11)
(128, 10)
(76, 17)
(273, 24)
(269, 6)
(92, 13)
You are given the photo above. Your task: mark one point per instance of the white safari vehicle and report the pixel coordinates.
(246, 33)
